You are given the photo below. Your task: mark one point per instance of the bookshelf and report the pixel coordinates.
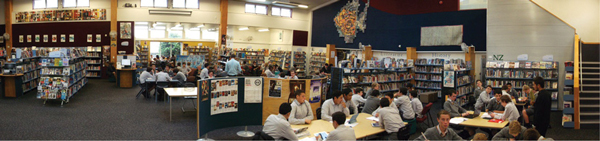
(251, 56)
(277, 57)
(317, 61)
(62, 77)
(93, 58)
(300, 61)
(198, 50)
(456, 76)
(428, 75)
(144, 54)
(568, 97)
(519, 73)
(31, 71)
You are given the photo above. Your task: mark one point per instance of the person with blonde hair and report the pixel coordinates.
(514, 131)
(529, 111)
(480, 137)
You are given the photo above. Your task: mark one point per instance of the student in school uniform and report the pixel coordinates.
(348, 100)
(389, 96)
(390, 120)
(510, 110)
(335, 104)
(341, 131)
(513, 93)
(456, 110)
(372, 102)
(505, 90)
(514, 131)
(495, 105)
(404, 104)
(532, 134)
(278, 127)
(416, 103)
(145, 76)
(441, 131)
(478, 89)
(301, 111)
(480, 137)
(484, 98)
(357, 98)
(530, 108)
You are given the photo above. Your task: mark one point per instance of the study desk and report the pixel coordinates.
(179, 92)
(482, 123)
(153, 81)
(126, 77)
(362, 130)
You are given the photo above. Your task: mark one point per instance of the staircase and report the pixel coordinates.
(589, 96)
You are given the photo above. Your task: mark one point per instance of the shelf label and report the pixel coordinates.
(523, 57)
(548, 58)
(440, 55)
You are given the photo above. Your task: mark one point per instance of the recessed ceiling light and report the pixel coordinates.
(263, 30)
(243, 28)
(303, 6)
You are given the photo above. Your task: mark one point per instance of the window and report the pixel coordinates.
(256, 8)
(176, 34)
(283, 12)
(157, 33)
(154, 3)
(147, 3)
(185, 4)
(193, 33)
(76, 3)
(210, 35)
(141, 31)
(41, 4)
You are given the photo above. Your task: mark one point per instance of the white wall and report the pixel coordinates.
(584, 15)
(27, 5)
(2, 21)
(237, 16)
(208, 12)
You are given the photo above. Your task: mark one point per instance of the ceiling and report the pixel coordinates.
(311, 3)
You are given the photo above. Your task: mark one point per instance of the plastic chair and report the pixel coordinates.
(191, 98)
(160, 86)
(425, 114)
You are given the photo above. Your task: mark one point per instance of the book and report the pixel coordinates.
(569, 76)
(535, 65)
(528, 65)
(567, 104)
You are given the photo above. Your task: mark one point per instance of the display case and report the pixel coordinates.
(428, 75)
(62, 75)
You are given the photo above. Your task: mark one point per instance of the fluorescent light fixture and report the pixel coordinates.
(177, 28)
(261, 0)
(201, 25)
(160, 27)
(171, 12)
(243, 28)
(263, 30)
(302, 6)
(289, 4)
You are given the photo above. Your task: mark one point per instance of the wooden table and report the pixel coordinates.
(362, 130)
(482, 123)
(179, 92)
(10, 85)
(126, 77)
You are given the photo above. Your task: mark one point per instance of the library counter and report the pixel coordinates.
(126, 77)
(10, 81)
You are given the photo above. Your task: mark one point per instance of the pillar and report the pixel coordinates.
(8, 4)
(223, 26)
(330, 54)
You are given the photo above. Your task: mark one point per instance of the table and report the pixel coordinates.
(362, 130)
(150, 80)
(12, 84)
(179, 92)
(482, 123)
(126, 77)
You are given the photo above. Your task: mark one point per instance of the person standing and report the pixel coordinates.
(542, 105)
(301, 110)
(232, 67)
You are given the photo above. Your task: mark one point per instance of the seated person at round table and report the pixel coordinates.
(301, 110)
(484, 98)
(390, 120)
(510, 110)
(341, 131)
(372, 102)
(348, 100)
(514, 131)
(388, 96)
(278, 127)
(335, 104)
(404, 105)
(452, 106)
(441, 131)
(495, 104)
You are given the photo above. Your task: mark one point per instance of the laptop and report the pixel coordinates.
(474, 114)
(353, 119)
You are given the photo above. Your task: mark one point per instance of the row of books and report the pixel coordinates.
(318, 54)
(464, 80)
(55, 62)
(93, 68)
(520, 84)
(92, 74)
(30, 65)
(31, 75)
(29, 85)
(392, 86)
(432, 77)
(429, 85)
(430, 69)
(436, 61)
(522, 64)
(546, 74)
(464, 90)
(57, 88)
(93, 61)
(93, 54)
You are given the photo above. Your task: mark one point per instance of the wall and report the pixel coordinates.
(27, 5)
(207, 13)
(79, 29)
(2, 9)
(385, 31)
(238, 16)
(536, 33)
(583, 15)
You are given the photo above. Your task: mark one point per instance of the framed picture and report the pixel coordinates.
(20, 38)
(98, 38)
(29, 38)
(54, 38)
(125, 30)
(37, 38)
(45, 38)
(63, 38)
(71, 38)
(89, 38)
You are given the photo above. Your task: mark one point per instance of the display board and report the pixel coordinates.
(194, 60)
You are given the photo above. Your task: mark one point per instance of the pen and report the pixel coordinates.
(424, 136)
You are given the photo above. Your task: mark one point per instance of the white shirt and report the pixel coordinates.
(379, 108)
(300, 112)
(405, 106)
(504, 93)
(144, 76)
(510, 112)
(329, 107)
(269, 73)
(417, 106)
(162, 76)
(342, 132)
(278, 127)
(290, 77)
(390, 119)
(357, 99)
(350, 105)
(204, 73)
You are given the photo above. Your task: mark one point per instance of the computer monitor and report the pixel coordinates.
(126, 63)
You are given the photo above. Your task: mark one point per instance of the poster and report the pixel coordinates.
(448, 78)
(37, 38)
(125, 30)
(315, 91)
(275, 88)
(253, 90)
(296, 85)
(98, 38)
(193, 60)
(1, 39)
(45, 38)
(54, 38)
(204, 89)
(28, 38)
(63, 38)
(90, 38)
(71, 38)
(224, 96)
(20, 38)
(61, 15)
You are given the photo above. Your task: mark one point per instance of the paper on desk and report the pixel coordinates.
(373, 119)
(348, 124)
(308, 139)
(486, 115)
(457, 120)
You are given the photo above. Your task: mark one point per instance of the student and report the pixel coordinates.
(341, 132)
(169, 71)
(292, 75)
(204, 72)
(403, 102)
(494, 105)
(441, 131)
(529, 111)
(512, 91)
(480, 137)
(514, 131)
(505, 90)
(179, 76)
(371, 103)
(410, 87)
(510, 110)
(348, 100)
(374, 86)
(478, 89)
(390, 120)
(184, 68)
(268, 72)
(162, 75)
(454, 107)
(484, 98)
(357, 98)
(278, 127)
(532, 134)
(390, 97)
(416, 103)
(145, 76)
(543, 103)
(301, 110)
(335, 104)
(211, 75)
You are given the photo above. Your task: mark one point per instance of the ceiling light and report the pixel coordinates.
(243, 28)
(263, 30)
(303, 6)
(142, 23)
(201, 25)
(289, 4)
(177, 28)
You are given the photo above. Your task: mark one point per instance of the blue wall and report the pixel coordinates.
(386, 31)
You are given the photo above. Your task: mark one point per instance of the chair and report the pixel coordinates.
(260, 135)
(404, 132)
(318, 113)
(425, 114)
(141, 90)
(160, 86)
(190, 98)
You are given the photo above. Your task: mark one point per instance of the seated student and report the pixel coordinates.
(341, 132)
(169, 71)
(348, 100)
(204, 72)
(531, 95)
(484, 98)
(532, 134)
(390, 97)
(480, 137)
(390, 120)
(513, 93)
(179, 76)
(145, 76)
(357, 98)
(441, 131)
(494, 105)
(335, 104)
(371, 103)
(454, 107)
(301, 110)
(278, 127)
(416, 103)
(404, 104)
(292, 75)
(162, 75)
(510, 110)
(514, 131)
(505, 90)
